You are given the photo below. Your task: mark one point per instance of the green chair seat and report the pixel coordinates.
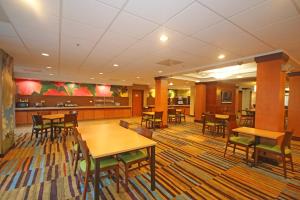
(62, 125)
(273, 148)
(133, 156)
(242, 140)
(155, 120)
(104, 163)
(75, 147)
(40, 126)
(212, 124)
(171, 115)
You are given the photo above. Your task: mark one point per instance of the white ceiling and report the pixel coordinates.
(85, 37)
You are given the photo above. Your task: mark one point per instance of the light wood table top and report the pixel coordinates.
(148, 113)
(259, 132)
(53, 116)
(111, 139)
(219, 116)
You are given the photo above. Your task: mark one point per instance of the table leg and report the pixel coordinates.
(152, 168)
(96, 179)
(52, 132)
(256, 141)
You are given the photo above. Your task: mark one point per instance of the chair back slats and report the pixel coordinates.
(37, 120)
(286, 142)
(144, 132)
(69, 118)
(124, 124)
(158, 115)
(85, 151)
(172, 111)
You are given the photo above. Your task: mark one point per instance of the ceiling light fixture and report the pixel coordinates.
(160, 71)
(92, 78)
(138, 77)
(100, 73)
(48, 67)
(171, 83)
(163, 38)
(51, 74)
(197, 81)
(221, 56)
(45, 54)
(115, 65)
(239, 76)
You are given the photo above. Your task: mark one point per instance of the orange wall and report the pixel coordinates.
(270, 85)
(294, 105)
(200, 101)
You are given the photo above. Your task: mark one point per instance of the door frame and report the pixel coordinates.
(142, 101)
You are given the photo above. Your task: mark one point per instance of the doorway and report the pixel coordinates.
(137, 102)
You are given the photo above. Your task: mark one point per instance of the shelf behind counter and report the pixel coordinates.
(24, 115)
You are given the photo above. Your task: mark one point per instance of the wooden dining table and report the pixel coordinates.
(51, 118)
(111, 139)
(258, 134)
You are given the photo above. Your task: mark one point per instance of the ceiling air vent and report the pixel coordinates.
(169, 62)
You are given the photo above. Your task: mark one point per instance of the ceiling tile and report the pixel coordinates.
(156, 10)
(230, 7)
(96, 14)
(204, 17)
(265, 14)
(114, 3)
(227, 36)
(80, 31)
(7, 30)
(190, 45)
(133, 26)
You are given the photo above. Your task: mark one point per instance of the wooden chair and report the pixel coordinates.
(283, 150)
(181, 115)
(38, 126)
(145, 118)
(75, 151)
(237, 140)
(137, 156)
(222, 121)
(157, 120)
(87, 166)
(68, 125)
(210, 123)
(172, 115)
(124, 124)
(75, 113)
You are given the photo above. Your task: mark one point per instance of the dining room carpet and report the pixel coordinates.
(189, 165)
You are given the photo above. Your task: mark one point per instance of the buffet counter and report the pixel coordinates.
(24, 115)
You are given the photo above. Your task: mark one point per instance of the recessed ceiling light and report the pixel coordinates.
(123, 80)
(45, 54)
(48, 67)
(51, 74)
(138, 77)
(163, 38)
(239, 76)
(221, 56)
(100, 73)
(115, 65)
(171, 83)
(92, 78)
(160, 71)
(197, 81)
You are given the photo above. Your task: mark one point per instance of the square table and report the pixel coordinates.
(111, 139)
(259, 133)
(53, 117)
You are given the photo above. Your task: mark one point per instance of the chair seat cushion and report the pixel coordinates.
(40, 126)
(155, 120)
(62, 125)
(171, 115)
(212, 124)
(75, 147)
(133, 156)
(242, 140)
(273, 148)
(104, 163)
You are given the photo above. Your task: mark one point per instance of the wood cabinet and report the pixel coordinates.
(24, 117)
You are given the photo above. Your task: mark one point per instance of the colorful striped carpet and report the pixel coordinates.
(189, 166)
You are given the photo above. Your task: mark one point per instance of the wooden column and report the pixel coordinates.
(161, 97)
(270, 86)
(294, 103)
(200, 101)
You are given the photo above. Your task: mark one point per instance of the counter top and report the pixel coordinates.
(69, 108)
(152, 106)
